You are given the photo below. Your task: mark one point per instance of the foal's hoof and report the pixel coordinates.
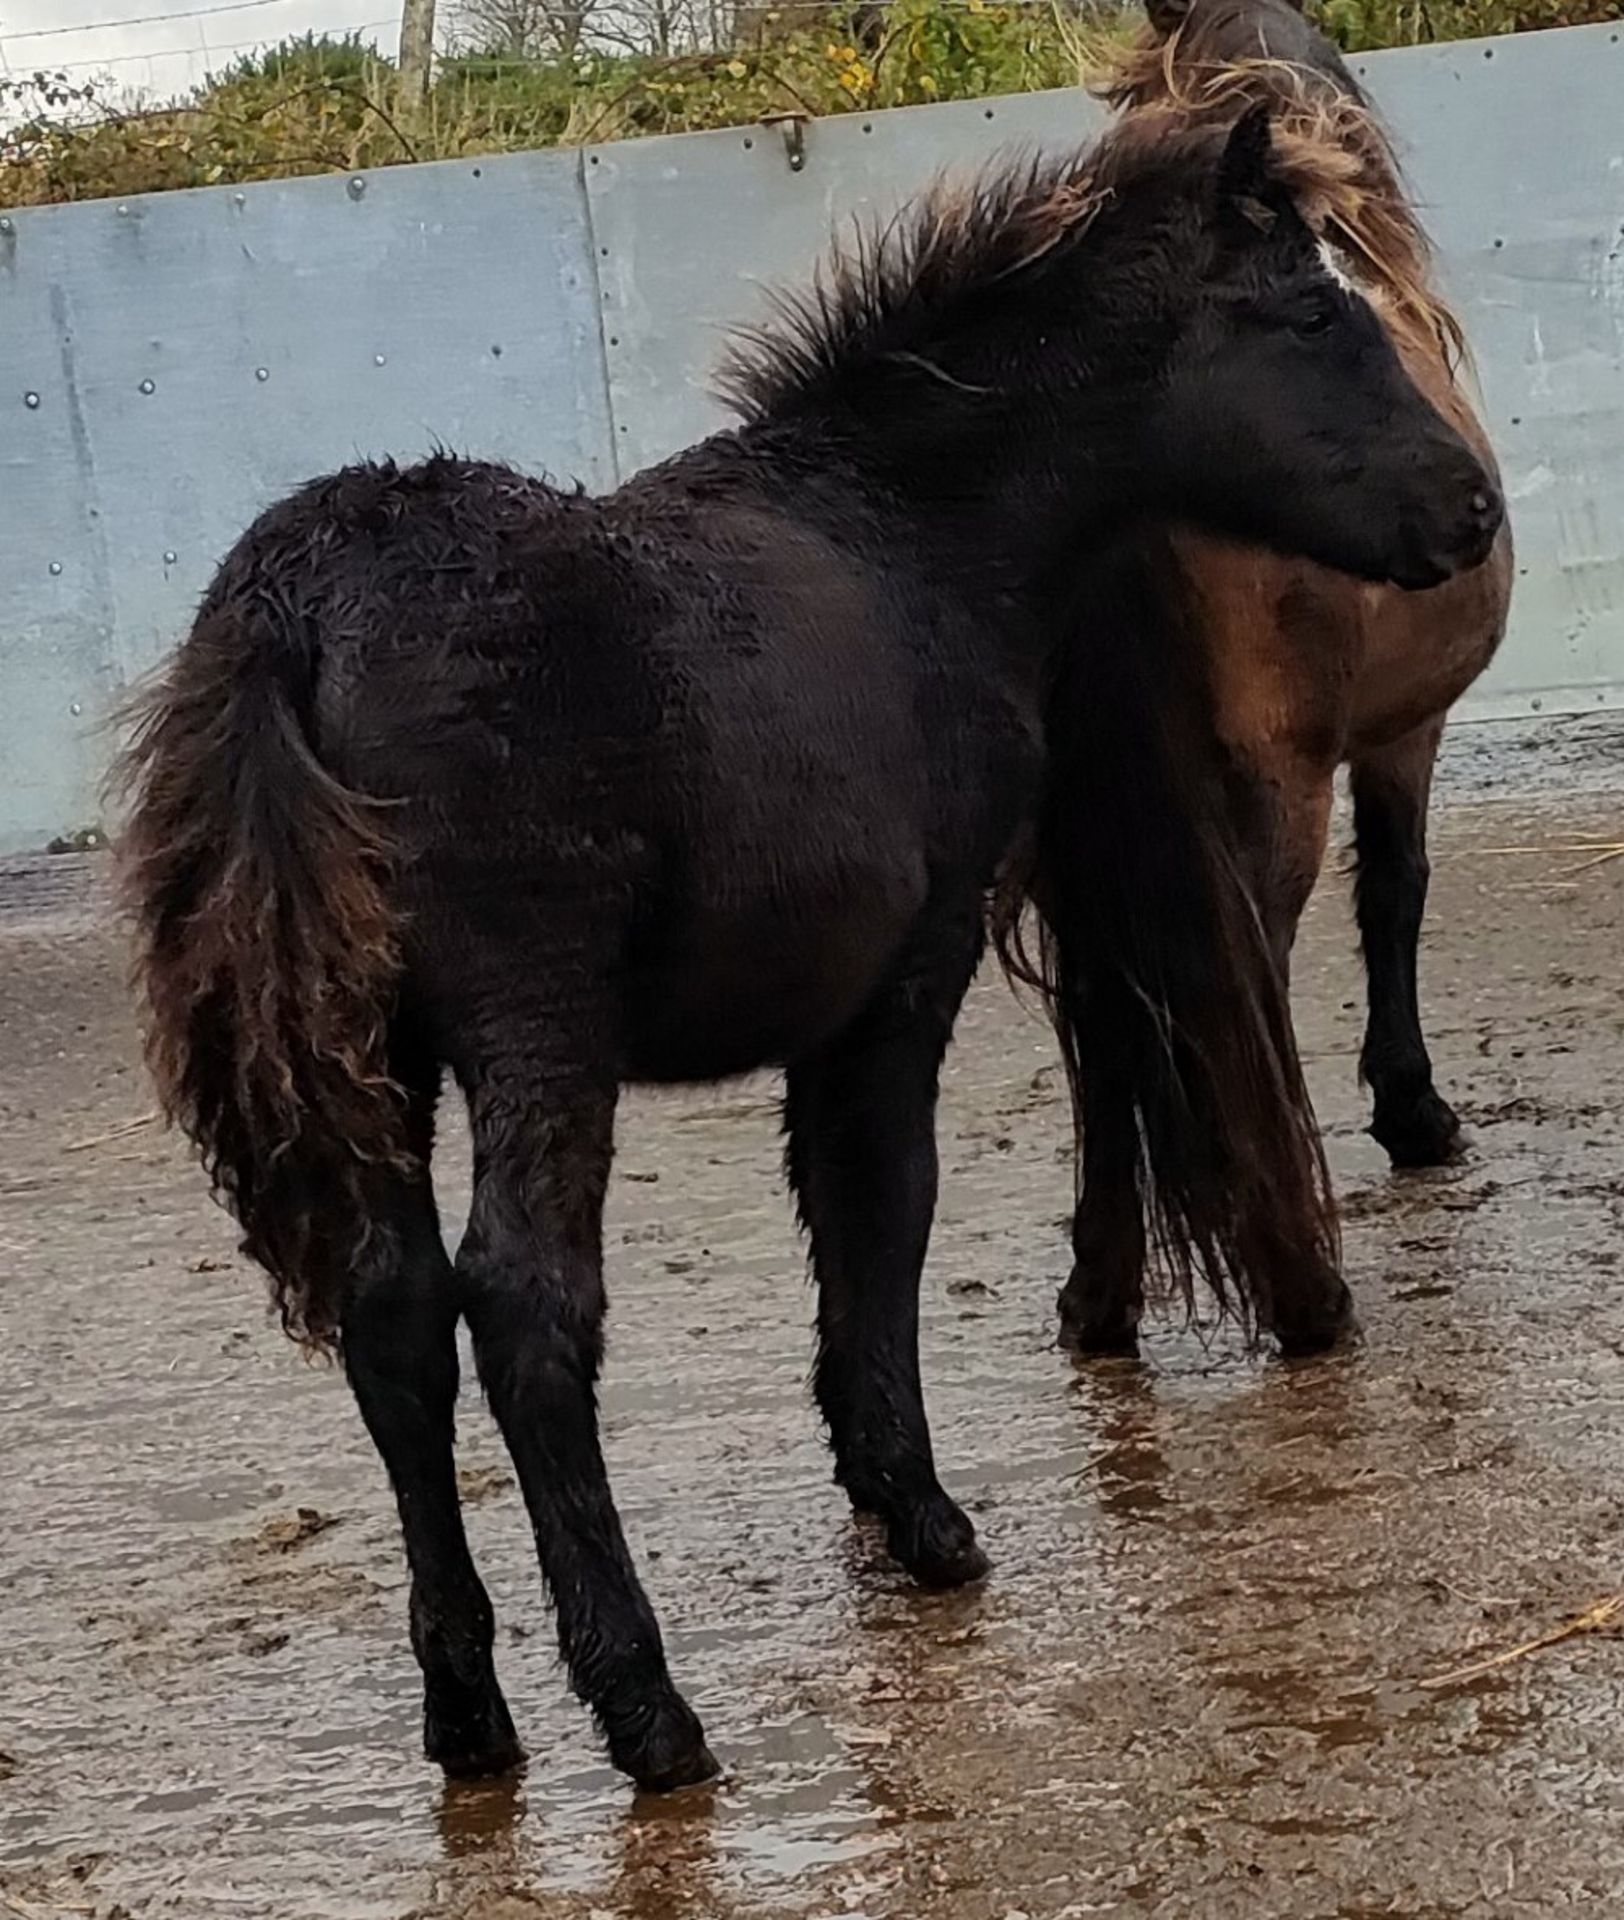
(670, 1753)
(473, 1741)
(937, 1545)
(1423, 1133)
(1315, 1328)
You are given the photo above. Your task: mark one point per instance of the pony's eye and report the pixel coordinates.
(1315, 321)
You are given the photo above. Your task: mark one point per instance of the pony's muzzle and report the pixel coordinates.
(1484, 515)
(1456, 536)
(1487, 510)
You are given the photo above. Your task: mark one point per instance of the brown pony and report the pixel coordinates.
(1308, 669)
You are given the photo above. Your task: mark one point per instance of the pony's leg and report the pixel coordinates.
(860, 1116)
(1311, 1308)
(1298, 809)
(530, 1277)
(1287, 796)
(1390, 793)
(1101, 1303)
(400, 1353)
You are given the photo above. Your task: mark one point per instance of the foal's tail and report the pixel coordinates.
(1153, 960)
(267, 950)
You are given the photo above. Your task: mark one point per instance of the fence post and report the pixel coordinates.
(416, 50)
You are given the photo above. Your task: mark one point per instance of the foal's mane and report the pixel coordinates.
(1329, 148)
(876, 299)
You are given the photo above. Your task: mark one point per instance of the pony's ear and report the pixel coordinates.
(1248, 189)
(1167, 16)
(1247, 163)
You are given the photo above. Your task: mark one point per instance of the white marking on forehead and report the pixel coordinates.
(1340, 270)
(1336, 268)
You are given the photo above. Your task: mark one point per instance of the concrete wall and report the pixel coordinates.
(168, 365)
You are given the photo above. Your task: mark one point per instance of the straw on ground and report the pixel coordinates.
(1605, 1614)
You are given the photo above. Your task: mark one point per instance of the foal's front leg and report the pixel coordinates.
(862, 1159)
(531, 1273)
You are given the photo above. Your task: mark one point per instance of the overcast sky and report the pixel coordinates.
(161, 47)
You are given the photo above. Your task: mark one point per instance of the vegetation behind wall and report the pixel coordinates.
(519, 74)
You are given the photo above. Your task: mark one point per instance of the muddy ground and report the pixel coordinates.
(1196, 1684)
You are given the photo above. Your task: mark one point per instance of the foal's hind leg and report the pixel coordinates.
(531, 1277)
(400, 1352)
(862, 1159)
(1390, 793)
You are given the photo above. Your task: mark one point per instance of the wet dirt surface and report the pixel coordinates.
(1192, 1687)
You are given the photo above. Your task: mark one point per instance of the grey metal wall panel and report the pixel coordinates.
(1531, 239)
(195, 355)
(56, 604)
(693, 229)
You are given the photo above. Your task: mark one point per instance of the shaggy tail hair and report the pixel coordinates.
(1150, 952)
(267, 951)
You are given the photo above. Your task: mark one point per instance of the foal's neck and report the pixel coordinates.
(990, 442)
(1008, 435)
(1003, 495)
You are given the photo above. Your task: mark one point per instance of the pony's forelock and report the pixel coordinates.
(1330, 153)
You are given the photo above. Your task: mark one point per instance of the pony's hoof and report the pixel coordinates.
(1099, 1339)
(939, 1547)
(1310, 1329)
(475, 1744)
(671, 1754)
(697, 1769)
(1425, 1133)
(1093, 1331)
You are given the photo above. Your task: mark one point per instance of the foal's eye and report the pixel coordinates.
(1312, 322)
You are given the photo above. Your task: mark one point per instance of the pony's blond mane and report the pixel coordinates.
(1329, 148)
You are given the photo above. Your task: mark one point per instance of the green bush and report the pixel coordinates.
(1362, 24)
(317, 105)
